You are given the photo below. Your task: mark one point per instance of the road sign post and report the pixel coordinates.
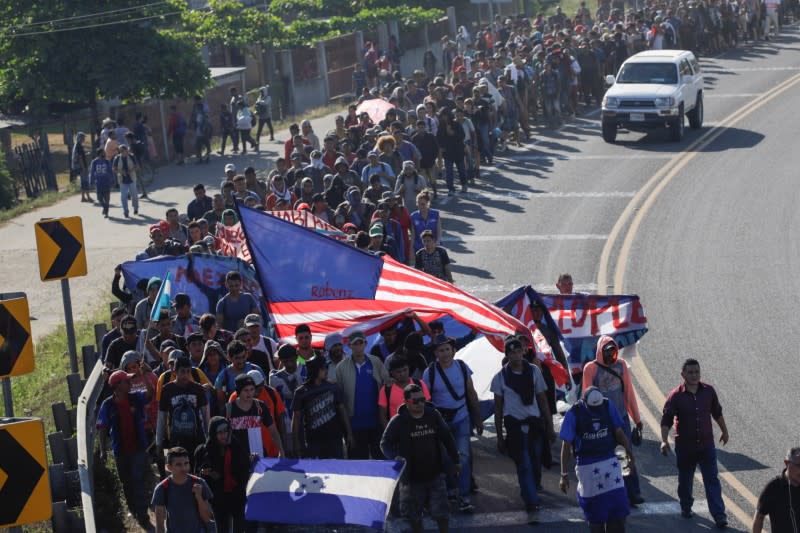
(7, 398)
(62, 255)
(25, 493)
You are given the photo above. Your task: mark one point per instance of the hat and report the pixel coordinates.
(131, 356)
(155, 280)
(122, 147)
(230, 167)
(177, 355)
(372, 153)
(252, 319)
(376, 230)
(256, 376)
(117, 377)
(296, 155)
(244, 380)
(195, 336)
(512, 344)
(169, 343)
(389, 195)
(357, 334)
(287, 351)
(182, 299)
(197, 249)
(316, 154)
(409, 165)
(209, 240)
(128, 320)
(162, 226)
(349, 226)
(442, 339)
(593, 397)
(332, 340)
(302, 206)
(397, 362)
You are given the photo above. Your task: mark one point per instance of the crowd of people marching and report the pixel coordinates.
(200, 396)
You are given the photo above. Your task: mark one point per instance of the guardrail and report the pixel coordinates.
(87, 417)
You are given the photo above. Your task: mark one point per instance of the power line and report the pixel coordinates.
(12, 35)
(77, 17)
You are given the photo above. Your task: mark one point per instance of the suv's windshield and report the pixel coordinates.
(648, 73)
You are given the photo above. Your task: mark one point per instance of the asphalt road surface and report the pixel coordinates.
(702, 230)
(708, 245)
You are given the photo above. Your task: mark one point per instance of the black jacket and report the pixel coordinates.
(396, 440)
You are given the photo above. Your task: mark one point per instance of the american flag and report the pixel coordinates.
(310, 279)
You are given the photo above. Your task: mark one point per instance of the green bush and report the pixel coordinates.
(8, 196)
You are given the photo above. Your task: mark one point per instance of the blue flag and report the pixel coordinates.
(162, 299)
(322, 492)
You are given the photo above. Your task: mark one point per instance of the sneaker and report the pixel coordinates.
(105, 215)
(687, 513)
(721, 524)
(143, 195)
(465, 506)
(637, 500)
(135, 211)
(127, 215)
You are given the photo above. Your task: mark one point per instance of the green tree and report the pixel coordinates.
(52, 52)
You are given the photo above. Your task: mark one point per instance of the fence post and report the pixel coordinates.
(322, 66)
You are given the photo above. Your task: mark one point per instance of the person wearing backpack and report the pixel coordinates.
(223, 463)
(225, 383)
(521, 406)
(454, 396)
(183, 412)
(391, 397)
(181, 500)
(611, 376)
(201, 123)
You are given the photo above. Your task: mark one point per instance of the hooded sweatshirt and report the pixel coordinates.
(618, 391)
(230, 462)
(212, 345)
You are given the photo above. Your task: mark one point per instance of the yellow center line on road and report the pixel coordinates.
(638, 208)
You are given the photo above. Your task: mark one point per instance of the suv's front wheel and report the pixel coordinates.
(696, 114)
(609, 131)
(676, 127)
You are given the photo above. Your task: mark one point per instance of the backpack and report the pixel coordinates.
(261, 107)
(183, 422)
(211, 525)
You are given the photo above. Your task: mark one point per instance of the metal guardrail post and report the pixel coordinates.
(87, 416)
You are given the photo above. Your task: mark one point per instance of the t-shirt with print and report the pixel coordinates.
(257, 419)
(234, 312)
(512, 403)
(432, 263)
(173, 396)
(318, 404)
(425, 461)
(182, 513)
(397, 398)
(276, 409)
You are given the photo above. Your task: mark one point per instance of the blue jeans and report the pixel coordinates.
(526, 451)
(124, 189)
(448, 172)
(461, 431)
(706, 459)
(632, 479)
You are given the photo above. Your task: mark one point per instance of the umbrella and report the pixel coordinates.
(375, 108)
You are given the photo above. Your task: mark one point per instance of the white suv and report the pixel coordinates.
(654, 89)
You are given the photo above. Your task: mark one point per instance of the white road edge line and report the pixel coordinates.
(506, 238)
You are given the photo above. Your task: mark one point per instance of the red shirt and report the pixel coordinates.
(692, 414)
(127, 427)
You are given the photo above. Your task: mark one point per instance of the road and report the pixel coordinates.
(700, 230)
(707, 245)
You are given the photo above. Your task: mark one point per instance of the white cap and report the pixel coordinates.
(258, 377)
(230, 167)
(593, 397)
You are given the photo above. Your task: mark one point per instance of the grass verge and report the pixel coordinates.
(46, 199)
(33, 393)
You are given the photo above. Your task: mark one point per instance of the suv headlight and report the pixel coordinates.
(665, 102)
(610, 102)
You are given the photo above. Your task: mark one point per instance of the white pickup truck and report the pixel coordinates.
(654, 89)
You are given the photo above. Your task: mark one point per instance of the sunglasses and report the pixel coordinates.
(129, 330)
(416, 401)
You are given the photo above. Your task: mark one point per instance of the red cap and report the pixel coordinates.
(349, 226)
(303, 207)
(161, 225)
(117, 377)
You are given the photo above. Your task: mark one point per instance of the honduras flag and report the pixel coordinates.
(322, 492)
(162, 300)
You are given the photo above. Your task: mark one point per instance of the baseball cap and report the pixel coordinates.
(442, 339)
(244, 380)
(252, 320)
(176, 355)
(409, 165)
(230, 167)
(194, 337)
(372, 153)
(357, 334)
(376, 230)
(117, 377)
(155, 280)
(389, 195)
(593, 397)
(256, 376)
(182, 299)
(169, 343)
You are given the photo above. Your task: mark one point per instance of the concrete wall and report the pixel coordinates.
(309, 94)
